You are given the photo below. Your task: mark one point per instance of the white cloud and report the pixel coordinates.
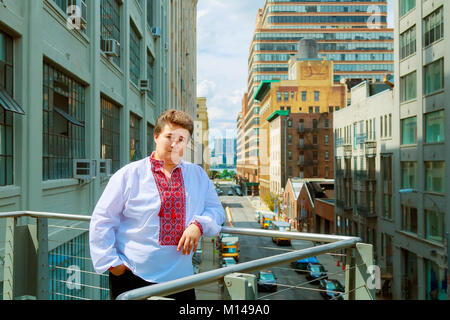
(205, 88)
(224, 32)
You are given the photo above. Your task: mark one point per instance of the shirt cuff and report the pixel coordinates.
(198, 225)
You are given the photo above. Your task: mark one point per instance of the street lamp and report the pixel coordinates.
(447, 237)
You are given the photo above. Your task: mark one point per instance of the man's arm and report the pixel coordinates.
(104, 221)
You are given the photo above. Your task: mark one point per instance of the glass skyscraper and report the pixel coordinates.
(354, 36)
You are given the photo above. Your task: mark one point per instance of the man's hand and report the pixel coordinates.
(189, 239)
(118, 270)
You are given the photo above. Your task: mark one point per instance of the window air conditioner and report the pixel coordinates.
(156, 31)
(84, 169)
(110, 47)
(144, 85)
(105, 167)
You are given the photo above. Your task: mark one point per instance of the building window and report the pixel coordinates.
(290, 123)
(390, 124)
(327, 123)
(434, 226)
(315, 171)
(434, 127)
(110, 23)
(327, 172)
(63, 123)
(289, 138)
(303, 95)
(409, 174)
(135, 138)
(434, 76)
(433, 27)
(6, 116)
(286, 96)
(292, 94)
(278, 96)
(316, 95)
(135, 55)
(314, 123)
(72, 252)
(330, 109)
(289, 155)
(327, 156)
(150, 141)
(408, 87)
(408, 42)
(150, 12)
(436, 281)
(327, 139)
(409, 130)
(386, 176)
(314, 139)
(317, 109)
(6, 152)
(315, 155)
(290, 171)
(435, 176)
(406, 6)
(337, 109)
(66, 4)
(110, 133)
(311, 110)
(409, 219)
(150, 71)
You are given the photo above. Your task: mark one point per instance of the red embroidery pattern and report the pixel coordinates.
(172, 215)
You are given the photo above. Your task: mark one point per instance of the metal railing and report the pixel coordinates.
(358, 257)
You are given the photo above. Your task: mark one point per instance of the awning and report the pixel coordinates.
(8, 103)
(68, 117)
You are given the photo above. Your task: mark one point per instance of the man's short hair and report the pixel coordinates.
(177, 117)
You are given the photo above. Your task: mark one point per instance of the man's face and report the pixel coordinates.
(171, 143)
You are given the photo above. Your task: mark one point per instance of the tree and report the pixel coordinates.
(213, 174)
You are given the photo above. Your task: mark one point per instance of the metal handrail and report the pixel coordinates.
(174, 286)
(334, 243)
(49, 215)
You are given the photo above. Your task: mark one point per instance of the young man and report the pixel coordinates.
(151, 215)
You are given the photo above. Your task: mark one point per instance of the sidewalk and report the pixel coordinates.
(210, 261)
(257, 203)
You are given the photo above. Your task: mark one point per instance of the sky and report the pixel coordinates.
(224, 33)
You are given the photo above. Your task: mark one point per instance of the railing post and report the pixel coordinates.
(42, 260)
(240, 286)
(349, 275)
(8, 267)
(367, 274)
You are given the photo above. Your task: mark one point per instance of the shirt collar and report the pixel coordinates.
(159, 164)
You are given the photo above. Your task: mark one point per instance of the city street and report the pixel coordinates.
(291, 285)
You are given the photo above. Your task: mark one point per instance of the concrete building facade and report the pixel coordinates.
(86, 83)
(302, 145)
(201, 135)
(422, 92)
(366, 147)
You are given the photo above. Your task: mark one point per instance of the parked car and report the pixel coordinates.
(230, 192)
(335, 290)
(227, 261)
(301, 265)
(266, 281)
(238, 191)
(315, 272)
(219, 191)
